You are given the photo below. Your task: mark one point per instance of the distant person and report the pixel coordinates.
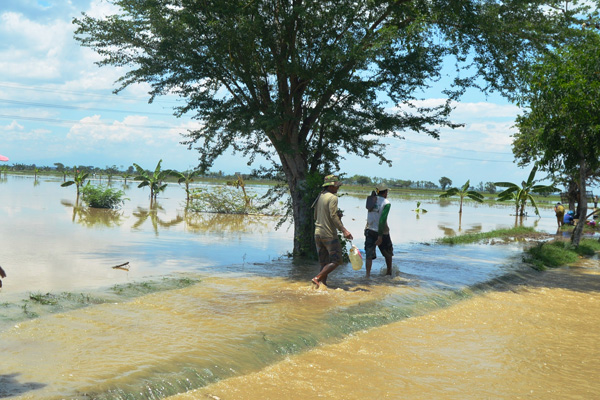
(377, 232)
(2, 275)
(327, 223)
(569, 217)
(559, 210)
(596, 201)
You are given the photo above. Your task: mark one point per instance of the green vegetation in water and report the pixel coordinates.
(225, 200)
(102, 197)
(39, 304)
(498, 233)
(559, 253)
(137, 289)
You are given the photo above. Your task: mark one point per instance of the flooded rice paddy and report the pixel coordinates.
(211, 308)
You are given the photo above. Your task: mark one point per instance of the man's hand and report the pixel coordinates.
(379, 240)
(347, 234)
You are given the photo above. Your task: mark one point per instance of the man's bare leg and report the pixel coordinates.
(322, 277)
(388, 264)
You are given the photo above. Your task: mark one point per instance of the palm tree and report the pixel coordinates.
(154, 181)
(79, 178)
(521, 194)
(187, 178)
(463, 192)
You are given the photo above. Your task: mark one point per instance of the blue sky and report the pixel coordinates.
(56, 105)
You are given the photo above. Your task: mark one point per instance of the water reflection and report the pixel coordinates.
(448, 231)
(144, 214)
(90, 217)
(212, 222)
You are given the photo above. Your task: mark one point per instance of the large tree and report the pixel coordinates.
(301, 82)
(561, 127)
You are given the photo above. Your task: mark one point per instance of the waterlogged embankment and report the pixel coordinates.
(531, 335)
(167, 342)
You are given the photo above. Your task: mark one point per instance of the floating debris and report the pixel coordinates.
(124, 266)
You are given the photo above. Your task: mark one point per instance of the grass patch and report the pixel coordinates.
(38, 304)
(44, 299)
(498, 233)
(559, 253)
(146, 287)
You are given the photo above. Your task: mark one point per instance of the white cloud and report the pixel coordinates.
(12, 127)
(485, 110)
(101, 8)
(31, 49)
(132, 130)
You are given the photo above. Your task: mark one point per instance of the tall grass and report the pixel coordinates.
(559, 253)
(476, 237)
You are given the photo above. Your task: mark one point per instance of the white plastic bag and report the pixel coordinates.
(355, 258)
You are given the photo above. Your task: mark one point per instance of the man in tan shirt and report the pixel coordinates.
(327, 223)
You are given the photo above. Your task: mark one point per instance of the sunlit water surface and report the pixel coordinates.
(210, 306)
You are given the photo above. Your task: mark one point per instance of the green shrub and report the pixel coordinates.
(102, 197)
(224, 200)
(558, 253)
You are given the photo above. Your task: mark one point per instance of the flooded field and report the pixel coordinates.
(211, 308)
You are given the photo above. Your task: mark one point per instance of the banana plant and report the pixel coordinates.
(186, 178)
(153, 181)
(462, 193)
(419, 209)
(126, 176)
(521, 194)
(79, 178)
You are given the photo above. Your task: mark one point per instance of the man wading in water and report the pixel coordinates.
(377, 232)
(327, 223)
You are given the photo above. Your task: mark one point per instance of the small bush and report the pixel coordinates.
(102, 197)
(221, 200)
(559, 253)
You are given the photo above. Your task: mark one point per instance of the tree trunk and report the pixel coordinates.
(304, 243)
(578, 232)
(295, 169)
(572, 195)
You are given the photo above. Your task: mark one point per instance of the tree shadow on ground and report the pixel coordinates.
(9, 386)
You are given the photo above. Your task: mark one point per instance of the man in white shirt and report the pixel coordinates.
(377, 232)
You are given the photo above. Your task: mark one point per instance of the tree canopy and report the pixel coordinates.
(303, 82)
(561, 127)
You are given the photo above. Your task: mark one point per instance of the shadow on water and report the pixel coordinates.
(10, 386)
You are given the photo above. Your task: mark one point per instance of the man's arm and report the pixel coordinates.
(333, 210)
(383, 219)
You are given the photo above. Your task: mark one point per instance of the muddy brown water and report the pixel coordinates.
(210, 308)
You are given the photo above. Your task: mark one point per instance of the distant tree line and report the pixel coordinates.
(444, 183)
(107, 171)
(361, 180)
